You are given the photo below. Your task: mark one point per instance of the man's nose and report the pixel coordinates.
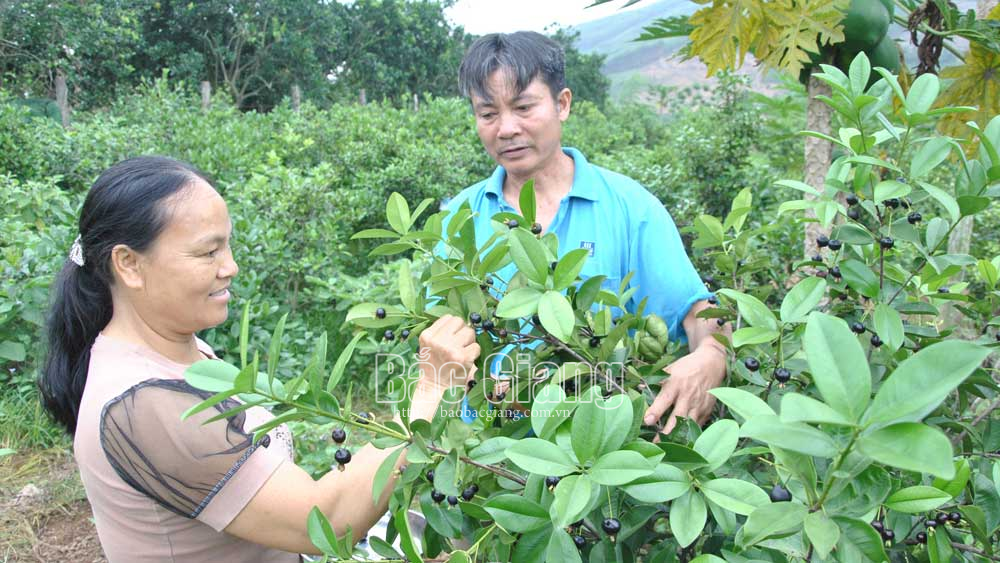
(509, 125)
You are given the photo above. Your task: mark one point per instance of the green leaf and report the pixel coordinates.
(800, 186)
(556, 315)
(407, 293)
(274, 351)
(618, 418)
(522, 302)
(406, 542)
(562, 548)
(587, 430)
(397, 211)
(526, 201)
(213, 376)
(718, 442)
(852, 234)
(939, 549)
(889, 326)
(911, 446)
(752, 335)
(976, 519)
(515, 513)
(922, 94)
(800, 408)
(933, 153)
(802, 299)
(374, 233)
(743, 403)
(321, 533)
(492, 450)
(345, 356)
(665, 483)
(793, 436)
(735, 495)
(688, 515)
(922, 381)
(944, 198)
(384, 472)
(620, 467)
(244, 335)
(822, 532)
(838, 364)
(568, 268)
(541, 458)
(859, 542)
(548, 409)
(888, 189)
(572, 495)
(955, 485)
(752, 309)
(915, 500)
(773, 520)
(531, 547)
(13, 351)
(860, 278)
(363, 315)
(529, 255)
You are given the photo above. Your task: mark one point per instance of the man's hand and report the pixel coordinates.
(448, 351)
(686, 390)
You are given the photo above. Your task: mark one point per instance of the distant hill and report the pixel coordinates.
(635, 66)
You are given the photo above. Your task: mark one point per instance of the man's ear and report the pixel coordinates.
(563, 102)
(126, 266)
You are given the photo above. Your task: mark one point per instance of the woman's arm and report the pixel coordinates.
(277, 514)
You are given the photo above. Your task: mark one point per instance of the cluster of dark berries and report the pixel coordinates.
(887, 534)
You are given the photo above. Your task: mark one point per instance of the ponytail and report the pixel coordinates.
(123, 207)
(80, 310)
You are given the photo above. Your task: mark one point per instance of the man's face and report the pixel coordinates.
(521, 131)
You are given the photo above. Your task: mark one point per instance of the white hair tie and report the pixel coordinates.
(76, 252)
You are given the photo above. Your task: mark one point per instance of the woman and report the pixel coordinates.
(152, 266)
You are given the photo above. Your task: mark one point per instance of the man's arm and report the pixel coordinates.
(693, 375)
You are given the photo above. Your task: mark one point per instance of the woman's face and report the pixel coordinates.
(186, 272)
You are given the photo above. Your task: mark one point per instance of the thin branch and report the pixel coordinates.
(965, 431)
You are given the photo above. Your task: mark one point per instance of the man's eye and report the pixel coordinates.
(523, 108)
(486, 115)
(212, 253)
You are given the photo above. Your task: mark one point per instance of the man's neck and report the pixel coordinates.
(551, 183)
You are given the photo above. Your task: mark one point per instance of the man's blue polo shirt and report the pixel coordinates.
(623, 225)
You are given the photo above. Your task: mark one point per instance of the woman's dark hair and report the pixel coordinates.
(126, 205)
(523, 55)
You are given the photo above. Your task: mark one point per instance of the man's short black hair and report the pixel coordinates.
(522, 56)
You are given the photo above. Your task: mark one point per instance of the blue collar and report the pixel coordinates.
(585, 178)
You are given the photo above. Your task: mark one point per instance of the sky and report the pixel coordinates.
(486, 16)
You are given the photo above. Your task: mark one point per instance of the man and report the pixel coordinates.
(516, 85)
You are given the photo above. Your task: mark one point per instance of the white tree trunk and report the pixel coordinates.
(818, 154)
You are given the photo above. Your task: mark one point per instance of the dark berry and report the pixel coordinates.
(389, 335)
(942, 290)
(941, 518)
(708, 280)
(782, 375)
(720, 321)
(502, 333)
(595, 341)
(468, 494)
(886, 243)
(611, 526)
(551, 481)
(342, 456)
(914, 218)
(500, 396)
(822, 241)
(835, 272)
(430, 476)
(888, 535)
(536, 229)
(931, 523)
(836, 244)
(780, 494)
(437, 496)
(475, 318)
(452, 500)
(380, 313)
(751, 364)
(853, 213)
(339, 435)
(877, 524)
(488, 325)
(901, 179)
(471, 383)
(955, 517)
(876, 341)
(921, 537)
(580, 542)
(891, 203)
(857, 328)
(713, 300)
(552, 266)
(364, 417)
(817, 257)
(851, 199)
(512, 224)
(404, 334)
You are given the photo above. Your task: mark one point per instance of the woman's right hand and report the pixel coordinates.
(448, 351)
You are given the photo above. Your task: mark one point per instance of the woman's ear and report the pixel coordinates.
(126, 266)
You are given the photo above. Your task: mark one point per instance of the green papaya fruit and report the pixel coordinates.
(885, 55)
(865, 24)
(655, 326)
(650, 348)
(890, 5)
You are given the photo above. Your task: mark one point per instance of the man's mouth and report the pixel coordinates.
(224, 292)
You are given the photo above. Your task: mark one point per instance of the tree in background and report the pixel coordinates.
(583, 71)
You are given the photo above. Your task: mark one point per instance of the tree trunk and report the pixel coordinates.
(206, 95)
(296, 97)
(362, 97)
(818, 154)
(62, 97)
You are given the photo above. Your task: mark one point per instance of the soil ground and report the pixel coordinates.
(44, 514)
